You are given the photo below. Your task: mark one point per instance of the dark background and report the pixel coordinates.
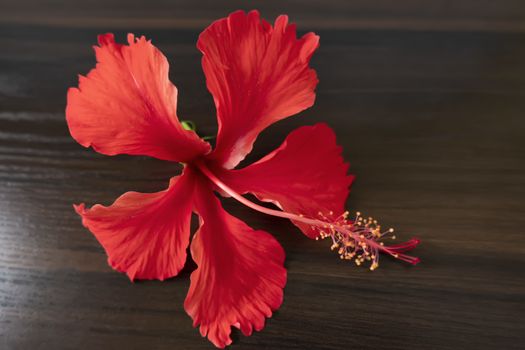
(427, 99)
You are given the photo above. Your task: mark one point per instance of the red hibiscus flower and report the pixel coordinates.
(258, 74)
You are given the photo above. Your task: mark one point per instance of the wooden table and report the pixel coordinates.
(428, 101)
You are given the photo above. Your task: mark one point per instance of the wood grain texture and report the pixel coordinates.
(428, 101)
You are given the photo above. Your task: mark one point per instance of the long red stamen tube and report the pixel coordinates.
(357, 239)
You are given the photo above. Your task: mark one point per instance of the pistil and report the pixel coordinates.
(360, 239)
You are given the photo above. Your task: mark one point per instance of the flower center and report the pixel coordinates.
(359, 239)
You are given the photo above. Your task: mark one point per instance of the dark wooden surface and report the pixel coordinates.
(428, 101)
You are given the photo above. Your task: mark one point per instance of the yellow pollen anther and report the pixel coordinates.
(358, 239)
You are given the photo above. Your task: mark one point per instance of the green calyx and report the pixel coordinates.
(191, 126)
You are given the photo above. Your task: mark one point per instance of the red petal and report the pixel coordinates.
(240, 275)
(305, 175)
(127, 105)
(145, 235)
(257, 75)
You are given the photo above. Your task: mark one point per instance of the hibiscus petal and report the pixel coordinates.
(240, 275)
(145, 235)
(305, 175)
(127, 105)
(257, 75)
